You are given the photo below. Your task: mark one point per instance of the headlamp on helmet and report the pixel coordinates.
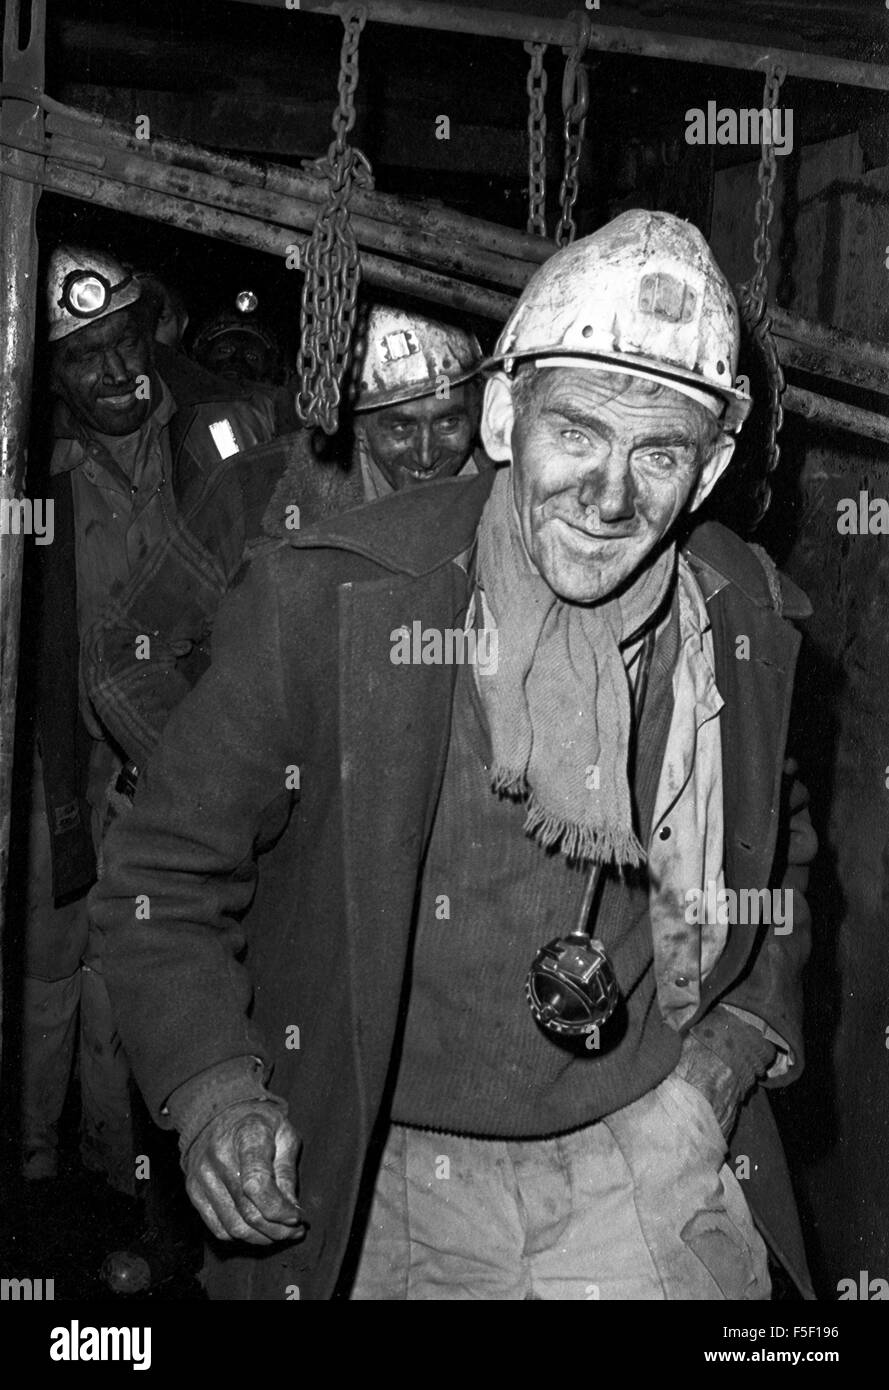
(84, 285)
(241, 318)
(87, 293)
(246, 302)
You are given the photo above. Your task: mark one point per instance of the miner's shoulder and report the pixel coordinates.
(412, 532)
(719, 556)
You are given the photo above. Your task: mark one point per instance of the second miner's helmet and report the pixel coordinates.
(83, 286)
(642, 296)
(240, 317)
(403, 355)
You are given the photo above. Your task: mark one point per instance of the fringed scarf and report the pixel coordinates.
(558, 703)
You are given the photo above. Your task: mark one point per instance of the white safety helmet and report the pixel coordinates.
(642, 296)
(83, 286)
(402, 356)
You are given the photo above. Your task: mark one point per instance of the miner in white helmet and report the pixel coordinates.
(525, 952)
(137, 429)
(418, 401)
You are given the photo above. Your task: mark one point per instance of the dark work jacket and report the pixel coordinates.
(64, 741)
(301, 676)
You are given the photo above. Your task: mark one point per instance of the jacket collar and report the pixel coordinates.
(74, 443)
(719, 557)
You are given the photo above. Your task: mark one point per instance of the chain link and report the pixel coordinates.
(330, 259)
(754, 295)
(536, 88)
(575, 102)
(765, 206)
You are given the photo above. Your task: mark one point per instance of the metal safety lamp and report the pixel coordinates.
(571, 987)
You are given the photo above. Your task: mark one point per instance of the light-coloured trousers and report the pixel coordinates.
(640, 1205)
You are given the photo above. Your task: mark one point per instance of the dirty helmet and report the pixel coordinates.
(402, 356)
(642, 296)
(85, 285)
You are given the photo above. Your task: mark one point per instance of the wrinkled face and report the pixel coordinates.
(416, 441)
(237, 356)
(602, 466)
(95, 370)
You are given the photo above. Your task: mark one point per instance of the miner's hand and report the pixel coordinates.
(241, 1173)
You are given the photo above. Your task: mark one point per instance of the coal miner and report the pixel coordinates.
(416, 417)
(469, 1042)
(238, 344)
(137, 430)
(416, 409)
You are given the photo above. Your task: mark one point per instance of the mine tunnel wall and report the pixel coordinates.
(830, 265)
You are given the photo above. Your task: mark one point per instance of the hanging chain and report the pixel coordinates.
(765, 207)
(536, 89)
(330, 258)
(575, 103)
(754, 295)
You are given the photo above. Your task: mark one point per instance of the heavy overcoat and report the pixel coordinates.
(311, 978)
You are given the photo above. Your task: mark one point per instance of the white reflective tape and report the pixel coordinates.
(400, 344)
(224, 439)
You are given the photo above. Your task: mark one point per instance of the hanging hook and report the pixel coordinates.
(575, 83)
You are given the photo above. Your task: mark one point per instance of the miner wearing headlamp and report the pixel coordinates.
(137, 431)
(238, 344)
(454, 843)
(416, 402)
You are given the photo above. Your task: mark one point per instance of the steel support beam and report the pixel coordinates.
(22, 67)
(823, 410)
(604, 38)
(830, 352)
(259, 235)
(101, 139)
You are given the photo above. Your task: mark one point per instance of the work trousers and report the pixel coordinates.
(640, 1205)
(66, 1002)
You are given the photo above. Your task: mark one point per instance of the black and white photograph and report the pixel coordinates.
(444, 655)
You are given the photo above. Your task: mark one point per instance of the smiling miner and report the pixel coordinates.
(135, 430)
(466, 1011)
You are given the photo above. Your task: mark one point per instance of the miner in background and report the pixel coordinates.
(165, 301)
(480, 1107)
(138, 431)
(237, 344)
(416, 410)
(415, 418)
